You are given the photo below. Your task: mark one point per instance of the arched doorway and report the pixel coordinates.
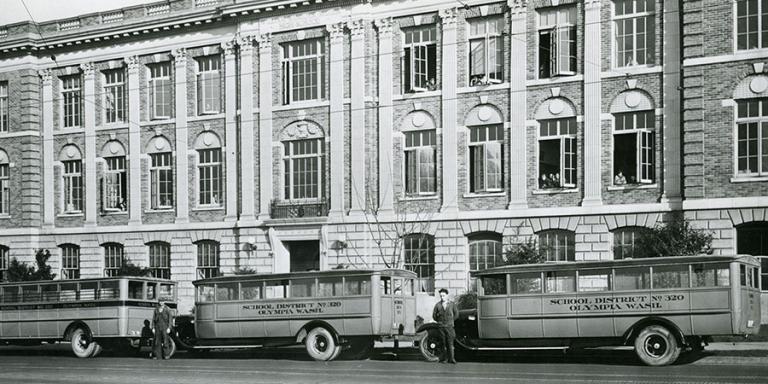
(752, 238)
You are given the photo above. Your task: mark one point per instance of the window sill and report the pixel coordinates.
(114, 213)
(71, 214)
(212, 116)
(417, 95)
(5, 216)
(302, 105)
(485, 87)
(487, 194)
(204, 208)
(157, 122)
(555, 80)
(106, 127)
(630, 187)
(158, 210)
(554, 191)
(631, 70)
(748, 179)
(419, 198)
(68, 131)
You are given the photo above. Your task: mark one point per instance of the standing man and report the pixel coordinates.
(445, 313)
(161, 327)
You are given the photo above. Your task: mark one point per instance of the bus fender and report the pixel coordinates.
(302, 334)
(74, 325)
(634, 330)
(427, 326)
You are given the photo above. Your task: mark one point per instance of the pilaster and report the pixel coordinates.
(386, 189)
(134, 141)
(89, 125)
(450, 111)
(357, 137)
(672, 119)
(592, 105)
(48, 158)
(230, 128)
(265, 125)
(336, 96)
(182, 132)
(246, 129)
(518, 190)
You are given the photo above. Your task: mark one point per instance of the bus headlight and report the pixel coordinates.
(750, 323)
(471, 317)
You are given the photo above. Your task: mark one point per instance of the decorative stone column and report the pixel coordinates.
(89, 161)
(336, 96)
(48, 182)
(592, 105)
(134, 141)
(357, 94)
(182, 132)
(246, 129)
(230, 128)
(386, 189)
(265, 125)
(450, 111)
(672, 118)
(518, 187)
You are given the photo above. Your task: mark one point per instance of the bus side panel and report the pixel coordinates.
(708, 301)
(493, 323)
(410, 315)
(357, 317)
(631, 307)
(48, 323)
(108, 323)
(520, 327)
(386, 305)
(134, 320)
(10, 327)
(227, 315)
(558, 321)
(204, 321)
(595, 320)
(28, 326)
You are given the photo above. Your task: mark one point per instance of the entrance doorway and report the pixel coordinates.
(752, 239)
(305, 255)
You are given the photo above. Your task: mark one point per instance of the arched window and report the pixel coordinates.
(303, 160)
(207, 259)
(485, 251)
(419, 153)
(486, 149)
(114, 185)
(558, 245)
(113, 258)
(4, 263)
(419, 252)
(624, 242)
(70, 261)
(635, 32)
(752, 239)
(72, 179)
(634, 138)
(209, 170)
(557, 143)
(160, 259)
(160, 173)
(5, 178)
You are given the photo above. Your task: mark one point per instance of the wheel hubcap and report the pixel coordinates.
(655, 346)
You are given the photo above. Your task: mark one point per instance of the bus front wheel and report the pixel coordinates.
(82, 345)
(431, 345)
(321, 345)
(656, 345)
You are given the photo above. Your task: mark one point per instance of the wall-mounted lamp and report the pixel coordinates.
(339, 245)
(250, 244)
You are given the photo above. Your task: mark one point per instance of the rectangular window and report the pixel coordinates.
(632, 279)
(115, 96)
(70, 262)
(227, 291)
(251, 290)
(634, 147)
(207, 259)
(115, 190)
(486, 148)
(160, 91)
(160, 260)
(303, 288)
(711, 275)
(4, 107)
(113, 259)
(73, 186)
(486, 51)
(752, 137)
(635, 32)
(4, 261)
(71, 96)
(751, 24)
(303, 71)
(670, 276)
(303, 163)
(494, 285)
(420, 59)
(563, 281)
(420, 164)
(161, 180)
(557, 41)
(276, 289)
(557, 153)
(209, 85)
(764, 273)
(210, 177)
(329, 287)
(5, 190)
(357, 285)
(594, 280)
(524, 283)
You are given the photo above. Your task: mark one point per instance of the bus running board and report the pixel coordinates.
(225, 346)
(516, 348)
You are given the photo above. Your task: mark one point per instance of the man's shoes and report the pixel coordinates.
(154, 358)
(442, 361)
(166, 358)
(452, 361)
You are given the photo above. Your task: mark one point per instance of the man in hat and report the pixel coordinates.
(445, 313)
(161, 327)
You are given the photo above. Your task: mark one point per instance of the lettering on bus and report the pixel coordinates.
(617, 303)
(303, 308)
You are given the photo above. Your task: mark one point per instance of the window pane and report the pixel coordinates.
(250, 290)
(494, 285)
(226, 291)
(522, 283)
(594, 280)
(670, 276)
(711, 275)
(561, 281)
(628, 279)
(357, 285)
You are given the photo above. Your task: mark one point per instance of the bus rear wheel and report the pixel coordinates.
(321, 344)
(82, 345)
(656, 345)
(431, 345)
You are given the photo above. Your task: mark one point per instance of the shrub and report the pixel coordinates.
(675, 238)
(20, 271)
(129, 269)
(527, 252)
(467, 300)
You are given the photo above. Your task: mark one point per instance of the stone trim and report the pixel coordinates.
(475, 226)
(647, 220)
(543, 223)
(747, 215)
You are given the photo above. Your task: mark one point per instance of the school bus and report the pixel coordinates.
(89, 313)
(661, 306)
(330, 312)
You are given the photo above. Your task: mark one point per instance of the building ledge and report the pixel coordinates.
(418, 198)
(489, 194)
(555, 80)
(630, 187)
(157, 122)
(554, 191)
(748, 179)
(212, 116)
(417, 95)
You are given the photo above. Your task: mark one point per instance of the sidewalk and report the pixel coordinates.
(739, 346)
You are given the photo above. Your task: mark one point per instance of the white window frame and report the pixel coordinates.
(292, 159)
(5, 189)
(210, 189)
(72, 183)
(70, 262)
(620, 235)
(427, 144)
(426, 283)
(115, 188)
(160, 259)
(161, 172)
(115, 96)
(487, 242)
(635, 16)
(760, 26)
(208, 259)
(71, 101)
(568, 141)
(4, 113)
(4, 262)
(487, 147)
(419, 82)
(159, 77)
(209, 85)
(562, 26)
(487, 39)
(113, 258)
(761, 120)
(559, 249)
(292, 65)
(642, 168)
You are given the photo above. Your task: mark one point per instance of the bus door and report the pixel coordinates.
(401, 303)
(387, 304)
(749, 318)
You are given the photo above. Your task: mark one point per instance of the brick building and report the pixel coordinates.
(201, 137)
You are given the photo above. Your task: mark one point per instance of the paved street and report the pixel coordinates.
(55, 364)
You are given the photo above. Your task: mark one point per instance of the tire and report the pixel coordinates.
(431, 345)
(321, 345)
(655, 345)
(97, 349)
(359, 349)
(82, 346)
(171, 350)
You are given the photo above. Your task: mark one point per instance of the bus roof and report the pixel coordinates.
(305, 274)
(93, 279)
(568, 265)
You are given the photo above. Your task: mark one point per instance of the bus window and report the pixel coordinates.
(276, 289)
(302, 287)
(397, 286)
(166, 291)
(357, 285)
(250, 290)
(630, 279)
(10, 294)
(494, 285)
(226, 291)
(50, 292)
(329, 286)
(563, 281)
(594, 280)
(710, 275)
(751, 277)
(523, 283)
(68, 292)
(88, 290)
(152, 291)
(205, 293)
(755, 274)
(670, 276)
(136, 290)
(743, 275)
(30, 293)
(109, 290)
(385, 285)
(409, 287)
(764, 275)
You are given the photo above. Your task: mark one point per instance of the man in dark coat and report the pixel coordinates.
(161, 327)
(445, 313)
